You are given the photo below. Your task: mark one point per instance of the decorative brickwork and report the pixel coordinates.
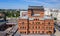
(36, 23)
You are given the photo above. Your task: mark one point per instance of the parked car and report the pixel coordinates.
(59, 28)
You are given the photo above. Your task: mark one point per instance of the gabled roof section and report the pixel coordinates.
(36, 7)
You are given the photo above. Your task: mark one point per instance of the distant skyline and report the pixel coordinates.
(23, 4)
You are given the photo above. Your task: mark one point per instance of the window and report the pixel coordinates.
(28, 31)
(49, 23)
(36, 27)
(48, 28)
(37, 22)
(25, 32)
(42, 23)
(22, 27)
(22, 22)
(36, 19)
(24, 14)
(21, 32)
(39, 27)
(33, 27)
(42, 32)
(25, 27)
(35, 31)
(43, 27)
(38, 31)
(32, 31)
(32, 22)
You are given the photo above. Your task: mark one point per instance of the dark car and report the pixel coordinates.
(54, 30)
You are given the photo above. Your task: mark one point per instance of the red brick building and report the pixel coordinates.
(34, 21)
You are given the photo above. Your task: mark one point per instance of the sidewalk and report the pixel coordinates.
(57, 33)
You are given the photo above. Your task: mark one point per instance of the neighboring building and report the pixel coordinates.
(34, 21)
(55, 13)
(3, 26)
(58, 16)
(2, 21)
(2, 16)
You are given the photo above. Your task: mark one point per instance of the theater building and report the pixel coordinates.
(33, 21)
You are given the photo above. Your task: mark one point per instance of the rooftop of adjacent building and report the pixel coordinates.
(11, 21)
(2, 22)
(52, 10)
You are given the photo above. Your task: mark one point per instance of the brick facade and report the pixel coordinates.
(36, 25)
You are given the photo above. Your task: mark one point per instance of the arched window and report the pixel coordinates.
(49, 23)
(22, 22)
(42, 32)
(38, 32)
(33, 32)
(37, 22)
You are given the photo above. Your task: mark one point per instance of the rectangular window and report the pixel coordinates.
(38, 31)
(33, 32)
(42, 32)
(28, 31)
(32, 22)
(36, 27)
(23, 32)
(39, 27)
(22, 27)
(33, 27)
(49, 23)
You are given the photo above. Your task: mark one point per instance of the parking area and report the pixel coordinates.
(35, 35)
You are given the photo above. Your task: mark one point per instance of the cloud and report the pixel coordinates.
(43, 0)
(46, 3)
(56, 6)
(51, 0)
(35, 1)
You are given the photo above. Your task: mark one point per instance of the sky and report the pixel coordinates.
(23, 4)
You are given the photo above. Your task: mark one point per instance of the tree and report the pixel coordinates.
(55, 18)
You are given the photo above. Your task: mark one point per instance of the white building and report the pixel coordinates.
(58, 16)
(54, 12)
(23, 14)
(47, 11)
